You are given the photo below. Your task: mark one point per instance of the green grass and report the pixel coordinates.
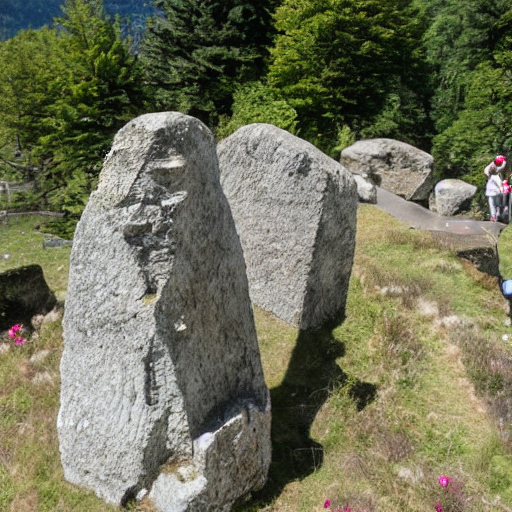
(413, 385)
(24, 246)
(505, 252)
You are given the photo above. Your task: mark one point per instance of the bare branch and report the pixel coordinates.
(20, 167)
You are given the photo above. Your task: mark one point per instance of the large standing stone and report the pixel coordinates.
(393, 165)
(295, 211)
(451, 197)
(162, 385)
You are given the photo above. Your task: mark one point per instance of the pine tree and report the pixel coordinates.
(104, 93)
(196, 53)
(34, 66)
(461, 36)
(473, 100)
(337, 61)
(65, 93)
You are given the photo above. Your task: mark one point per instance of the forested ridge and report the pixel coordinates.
(433, 73)
(16, 15)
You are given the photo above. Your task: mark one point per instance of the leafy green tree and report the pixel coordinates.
(483, 127)
(197, 53)
(255, 102)
(66, 93)
(34, 67)
(336, 61)
(404, 116)
(461, 35)
(104, 93)
(473, 99)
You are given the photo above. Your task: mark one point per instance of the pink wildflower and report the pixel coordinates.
(327, 503)
(20, 341)
(15, 330)
(444, 481)
(438, 507)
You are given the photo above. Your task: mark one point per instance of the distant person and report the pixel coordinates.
(499, 164)
(493, 192)
(506, 187)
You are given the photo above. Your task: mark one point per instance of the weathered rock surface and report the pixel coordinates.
(295, 212)
(23, 294)
(393, 165)
(366, 190)
(162, 386)
(451, 197)
(55, 241)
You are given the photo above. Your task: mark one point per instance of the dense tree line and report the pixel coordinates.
(434, 73)
(63, 95)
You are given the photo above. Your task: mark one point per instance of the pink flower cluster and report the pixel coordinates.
(444, 480)
(14, 333)
(347, 508)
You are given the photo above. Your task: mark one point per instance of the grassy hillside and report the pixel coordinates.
(415, 384)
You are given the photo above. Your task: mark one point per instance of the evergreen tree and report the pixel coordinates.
(34, 69)
(461, 35)
(199, 50)
(104, 94)
(337, 61)
(66, 93)
(480, 125)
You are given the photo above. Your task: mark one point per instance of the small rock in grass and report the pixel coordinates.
(40, 356)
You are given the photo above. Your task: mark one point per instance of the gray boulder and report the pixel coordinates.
(295, 212)
(24, 293)
(451, 197)
(393, 165)
(55, 241)
(366, 190)
(162, 386)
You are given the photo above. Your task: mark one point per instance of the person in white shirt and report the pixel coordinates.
(493, 192)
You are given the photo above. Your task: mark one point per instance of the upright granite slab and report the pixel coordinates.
(162, 386)
(295, 211)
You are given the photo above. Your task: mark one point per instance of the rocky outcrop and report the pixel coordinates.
(451, 197)
(162, 391)
(295, 213)
(23, 294)
(393, 165)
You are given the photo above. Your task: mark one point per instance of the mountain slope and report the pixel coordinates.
(18, 15)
